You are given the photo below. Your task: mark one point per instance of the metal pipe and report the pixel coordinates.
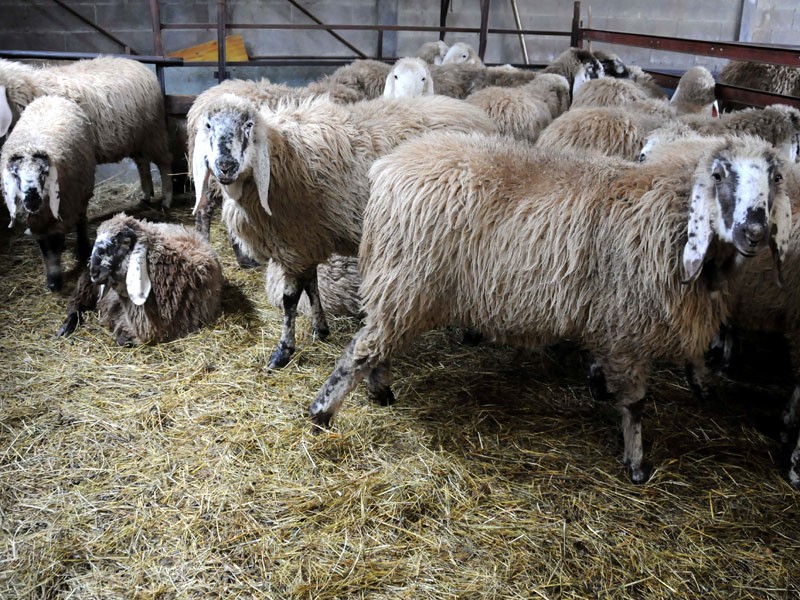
(221, 74)
(576, 41)
(158, 42)
(518, 23)
(482, 36)
(330, 30)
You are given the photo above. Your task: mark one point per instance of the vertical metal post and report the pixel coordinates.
(485, 4)
(222, 75)
(518, 21)
(158, 42)
(445, 6)
(576, 40)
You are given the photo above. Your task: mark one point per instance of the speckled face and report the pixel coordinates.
(29, 176)
(229, 135)
(745, 190)
(109, 253)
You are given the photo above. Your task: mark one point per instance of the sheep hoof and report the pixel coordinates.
(321, 421)
(280, 357)
(246, 262)
(640, 474)
(322, 333)
(70, 324)
(55, 282)
(384, 396)
(471, 338)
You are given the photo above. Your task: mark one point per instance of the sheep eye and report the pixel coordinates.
(778, 178)
(208, 125)
(423, 79)
(717, 177)
(395, 76)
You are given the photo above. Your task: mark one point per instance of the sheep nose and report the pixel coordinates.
(755, 234)
(227, 167)
(32, 201)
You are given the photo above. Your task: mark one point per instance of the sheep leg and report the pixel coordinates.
(84, 246)
(378, 382)
(166, 184)
(319, 324)
(596, 381)
(699, 378)
(292, 288)
(245, 261)
(345, 376)
(626, 380)
(52, 246)
(145, 178)
(84, 299)
(204, 212)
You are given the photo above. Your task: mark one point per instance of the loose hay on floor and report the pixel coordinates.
(186, 470)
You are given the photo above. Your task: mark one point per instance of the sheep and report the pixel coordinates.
(577, 65)
(778, 79)
(338, 287)
(608, 91)
(294, 179)
(461, 52)
(150, 282)
(696, 93)
(48, 168)
(646, 81)
(778, 124)
(365, 79)
(409, 76)
(432, 52)
(524, 111)
(531, 247)
(122, 99)
(621, 131)
(612, 64)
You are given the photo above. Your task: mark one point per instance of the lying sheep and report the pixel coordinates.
(461, 52)
(48, 166)
(294, 179)
(531, 247)
(432, 52)
(523, 112)
(408, 77)
(778, 79)
(122, 99)
(150, 282)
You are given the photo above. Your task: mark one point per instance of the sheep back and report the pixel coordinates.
(778, 79)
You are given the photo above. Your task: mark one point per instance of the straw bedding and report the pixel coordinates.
(186, 470)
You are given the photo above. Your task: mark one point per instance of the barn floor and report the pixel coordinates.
(186, 470)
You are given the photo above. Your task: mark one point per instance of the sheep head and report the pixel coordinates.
(120, 253)
(737, 199)
(461, 52)
(230, 145)
(409, 77)
(29, 180)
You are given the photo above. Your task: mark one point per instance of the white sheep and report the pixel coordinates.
(461, 52)
(48, 167)
(150, 282)
(524, 111)
(122, 99)
(409, 77)
(294, 179)
(432, 52)
(530, 247)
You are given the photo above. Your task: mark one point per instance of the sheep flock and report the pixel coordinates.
(581, 205)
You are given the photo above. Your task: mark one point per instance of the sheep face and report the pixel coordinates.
(29, 181)
(108, 262)
(228, 134)
(461, 52)
(590, 68)
(739, 199)
(410, 77)
(229, 145)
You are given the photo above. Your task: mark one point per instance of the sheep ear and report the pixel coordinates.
(715, 110)
(780, 225)
(260, 163)
(10, 193)
(388, 88)
(702, 214)
(427, 90)
(581, 78)
(6, 115)
(53, 191)
(199, 168)
(137, 280)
